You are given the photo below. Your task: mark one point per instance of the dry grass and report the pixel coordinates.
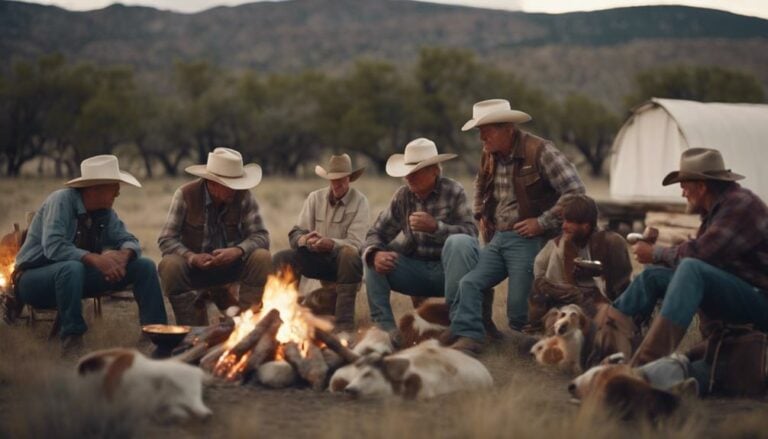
(39, 397)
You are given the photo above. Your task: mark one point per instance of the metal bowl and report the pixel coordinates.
(165, 336)
(592, 265)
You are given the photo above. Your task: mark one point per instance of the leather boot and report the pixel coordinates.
(490, 327)
(661, 340)
(186, 309)
(250, 296)
(345, 306)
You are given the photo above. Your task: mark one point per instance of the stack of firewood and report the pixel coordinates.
(260, 358)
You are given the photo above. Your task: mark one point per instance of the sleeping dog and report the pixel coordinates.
(164, 388)
(563, 348)
(427, 321)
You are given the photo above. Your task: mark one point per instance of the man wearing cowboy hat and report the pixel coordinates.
(326, 242)
(214, 236)
(434, 217)
(77, 247)
(521, 179)
(723, 271)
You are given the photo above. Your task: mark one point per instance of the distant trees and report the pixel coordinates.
(50, 108)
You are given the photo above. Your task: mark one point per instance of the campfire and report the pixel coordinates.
(282, 336)
(9, 247)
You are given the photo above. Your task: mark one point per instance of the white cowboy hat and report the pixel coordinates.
(494, 111)
(419, 154)
(339, 166)
(225, 166)
(701, 164)
(101, 169)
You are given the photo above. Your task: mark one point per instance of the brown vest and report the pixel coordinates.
(194, 221)
(534, 193)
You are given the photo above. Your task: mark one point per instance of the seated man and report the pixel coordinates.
(214, 236)
(723, 271)
(326, 242)
(559, 281)
(77, 247)
(432, 213)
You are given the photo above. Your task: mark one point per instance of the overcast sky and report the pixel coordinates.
(757, 8)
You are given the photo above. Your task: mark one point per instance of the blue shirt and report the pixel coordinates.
(51, 235)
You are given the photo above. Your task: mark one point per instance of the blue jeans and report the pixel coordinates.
(416, 277)
(695, 285)
(507, 255)
(63, 285)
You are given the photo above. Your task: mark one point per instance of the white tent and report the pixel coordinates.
(650, 142)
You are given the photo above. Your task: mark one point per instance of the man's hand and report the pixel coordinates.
(120, 256)
(226, 256)
(323, 245)
(422, 222)
(112, 271)
(643, 252)
(309, 239)
(201, 261)
(528, 228)
(384, 262)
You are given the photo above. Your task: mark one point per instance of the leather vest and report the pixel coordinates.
(194, 225)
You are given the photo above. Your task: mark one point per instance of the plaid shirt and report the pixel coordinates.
(733, 236)
(447, 204)
(560, 173)
(256, 236)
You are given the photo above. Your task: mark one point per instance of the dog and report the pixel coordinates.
(650, 391)
(427, 321)
(420, 372)
(374, 340)
(563, 348)
(168, 389)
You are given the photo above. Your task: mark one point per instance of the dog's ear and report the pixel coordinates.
(115, 372)
(583, 323)
(394, 368)
(90, 364)
(411, 386)
(549, 320)
(434, 312)
(629, 396)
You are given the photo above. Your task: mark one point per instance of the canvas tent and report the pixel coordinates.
(649, 144)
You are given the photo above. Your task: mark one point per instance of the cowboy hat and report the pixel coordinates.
(101, 169)
(419, 154)
(339, 166)
(225, 166)
(494, 111)
(701, 164)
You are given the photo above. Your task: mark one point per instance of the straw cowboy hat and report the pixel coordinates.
(101, 169)
(494, 111)
(225, 166)
(339, 166)
(701, 164)
(419, 154)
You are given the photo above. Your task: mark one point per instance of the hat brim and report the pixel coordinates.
(353, 175)
(396, 166)
(125, 177)
(678, 176)
(506, 116)
(251, 176)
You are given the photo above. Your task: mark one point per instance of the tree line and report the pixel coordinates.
(64, 111)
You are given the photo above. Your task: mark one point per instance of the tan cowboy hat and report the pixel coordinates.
(701, 164)
(101, 169)
(494, 111)
(225, 166)
(419, 154)
(339, 166)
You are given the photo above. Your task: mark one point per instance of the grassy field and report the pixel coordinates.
(40, 397)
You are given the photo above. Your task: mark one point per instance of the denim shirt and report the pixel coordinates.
(51, 235)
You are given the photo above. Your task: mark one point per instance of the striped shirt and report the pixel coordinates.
(255, 234)
(447, 203)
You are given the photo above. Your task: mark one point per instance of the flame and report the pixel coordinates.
(3, 281)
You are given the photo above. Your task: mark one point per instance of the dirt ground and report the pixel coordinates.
(39, 397)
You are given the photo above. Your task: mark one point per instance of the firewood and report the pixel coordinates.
(250, 340)
(334, 344)
(312, 368)
(263, 351)
(204, 341)
(332, 359)
(211, 357)
(193, 355)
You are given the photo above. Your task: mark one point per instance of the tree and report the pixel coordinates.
(590, 126)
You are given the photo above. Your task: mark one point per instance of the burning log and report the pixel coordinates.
(210, 337)
(312, 368)
(265, 349)
(250, 340)
(335, 345)
(332, 359)
(276, 374)
(208, 362)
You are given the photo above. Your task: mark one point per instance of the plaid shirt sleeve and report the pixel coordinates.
(462, 220)
(387, 225)
(256, 235)
(169, 240)
(564, 179)
(732, 230)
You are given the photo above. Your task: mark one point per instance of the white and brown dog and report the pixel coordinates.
(420, 372)
(563, 349)
(167, 389)
(427, 321)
